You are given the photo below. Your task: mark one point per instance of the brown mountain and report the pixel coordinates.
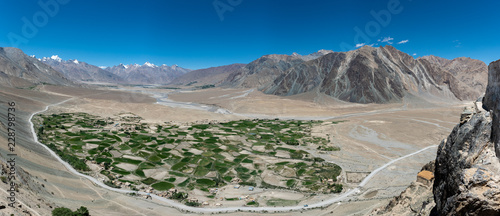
(366, 75)
(208, 76)
(471, 72)
(19, 70)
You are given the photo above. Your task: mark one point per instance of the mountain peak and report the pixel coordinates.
(324, 52)
(149, 65)
(52, 58)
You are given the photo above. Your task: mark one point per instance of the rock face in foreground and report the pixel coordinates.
(467, 164)
(468, 171)
(492, 102)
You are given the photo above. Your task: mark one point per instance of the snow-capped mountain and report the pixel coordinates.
(80, 71)
(20, 70)
(147, 73)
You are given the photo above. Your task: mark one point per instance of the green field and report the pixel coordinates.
(198, 156)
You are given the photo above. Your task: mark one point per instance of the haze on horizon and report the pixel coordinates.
(221, 32)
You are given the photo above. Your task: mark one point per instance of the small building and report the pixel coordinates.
(237, 186)
(330, 181)
(236, 180)
(250, 188)
(213, 190)
(425, 177)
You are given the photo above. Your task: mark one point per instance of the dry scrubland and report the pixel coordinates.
(369, 137)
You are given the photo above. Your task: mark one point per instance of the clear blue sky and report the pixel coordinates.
(191, 33)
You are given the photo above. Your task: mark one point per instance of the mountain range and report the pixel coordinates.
(147, 73)
(19, 70)
(366, 75)
(80, 71)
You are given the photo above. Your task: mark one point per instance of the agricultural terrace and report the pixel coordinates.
(127, 153)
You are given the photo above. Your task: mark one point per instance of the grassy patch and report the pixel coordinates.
(207, 182)
(162, 186)
(282, 202)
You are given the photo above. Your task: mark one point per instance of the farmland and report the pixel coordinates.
(126, 153)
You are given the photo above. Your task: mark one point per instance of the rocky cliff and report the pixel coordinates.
(467, 166)
(468, 171)
(492, 102)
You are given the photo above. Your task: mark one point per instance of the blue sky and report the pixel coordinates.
(193, 35)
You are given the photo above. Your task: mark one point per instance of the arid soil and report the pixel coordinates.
(370, 136)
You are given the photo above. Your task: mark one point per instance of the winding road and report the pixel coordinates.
(183, 207)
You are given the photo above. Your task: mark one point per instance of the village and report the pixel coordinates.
(202, 163)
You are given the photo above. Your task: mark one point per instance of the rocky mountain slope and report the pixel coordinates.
(80, 71)
(147, 73)
(263, 71)
(469, 71)
(366, 75)
(209, 76)
(467, 165)
(19, 70)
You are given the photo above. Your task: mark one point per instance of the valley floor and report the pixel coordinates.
(370, 137)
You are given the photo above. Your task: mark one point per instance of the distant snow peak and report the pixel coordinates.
(325, 52)
(149, 65)
(295, 54)
(103, 67)
(124, 66)
(174, 66)
(56, 58)
(76, 61)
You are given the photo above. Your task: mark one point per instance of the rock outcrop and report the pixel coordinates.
(417, 199)
(467, 164)
(492, 102)
(468, 171)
